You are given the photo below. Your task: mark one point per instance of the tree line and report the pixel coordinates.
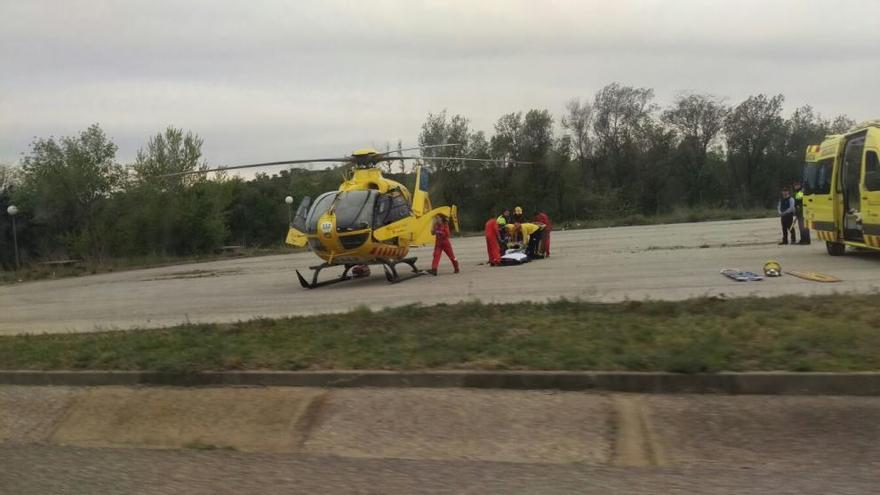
(614, 155)
(621, 154)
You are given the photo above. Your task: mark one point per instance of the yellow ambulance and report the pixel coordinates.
(842, 189)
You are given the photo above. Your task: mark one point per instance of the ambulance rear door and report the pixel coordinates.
(870, 189)
(820, 189)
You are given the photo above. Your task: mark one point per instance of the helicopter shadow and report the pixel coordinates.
(375, 279)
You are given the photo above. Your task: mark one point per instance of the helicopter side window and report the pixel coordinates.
(354, 210)
(390, 208)
(399, 208)
(321, 205)
(383, 206)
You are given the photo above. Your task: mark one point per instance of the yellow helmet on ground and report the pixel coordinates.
(772, 269)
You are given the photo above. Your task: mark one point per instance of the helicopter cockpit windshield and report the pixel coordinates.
(354, 210)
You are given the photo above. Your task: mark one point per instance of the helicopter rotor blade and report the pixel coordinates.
(254, 165)
(463, 159)
(379, 157)
(430, 146)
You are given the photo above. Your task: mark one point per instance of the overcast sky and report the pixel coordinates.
(271, 80)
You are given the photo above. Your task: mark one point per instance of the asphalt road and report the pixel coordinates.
(651, 262)
(389, 441)
(42, 470)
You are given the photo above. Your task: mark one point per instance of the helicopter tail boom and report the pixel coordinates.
(421, 232)
(421, 203)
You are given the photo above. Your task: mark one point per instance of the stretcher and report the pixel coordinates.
(741, 276)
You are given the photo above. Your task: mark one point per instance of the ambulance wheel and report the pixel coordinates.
(835, 248)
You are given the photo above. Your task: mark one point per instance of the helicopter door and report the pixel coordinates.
(296, 231)
(852, 194)
(299, 220)
(390, 208)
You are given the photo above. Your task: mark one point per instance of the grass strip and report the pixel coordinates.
(827, 333)
(679, 215)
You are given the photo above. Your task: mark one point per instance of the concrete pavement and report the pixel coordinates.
(48, 470)
(268, 440)
(651, 262)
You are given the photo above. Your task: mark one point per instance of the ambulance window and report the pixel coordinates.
(872, 172)
(852, 168)
(811, 171)
(817, 176)
(823, 183)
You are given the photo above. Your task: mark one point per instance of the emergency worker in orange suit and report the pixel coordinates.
(493, 247)
(543, 218)
(442, 244)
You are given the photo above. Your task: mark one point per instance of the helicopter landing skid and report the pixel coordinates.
(317, 269)
(391, 270)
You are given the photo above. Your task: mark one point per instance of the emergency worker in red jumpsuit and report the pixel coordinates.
(543, 218)
(492, 245)
(442, 244)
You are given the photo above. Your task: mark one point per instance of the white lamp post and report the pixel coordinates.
(289, 201)
(12, 211)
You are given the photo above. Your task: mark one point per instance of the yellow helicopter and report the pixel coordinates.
(370, 219)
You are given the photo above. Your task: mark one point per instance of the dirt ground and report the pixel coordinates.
(296, 440)
(651, 262)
